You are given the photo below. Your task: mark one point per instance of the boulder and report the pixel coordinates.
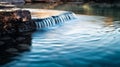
(15, 20)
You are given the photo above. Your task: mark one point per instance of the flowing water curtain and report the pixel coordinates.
(54, 20)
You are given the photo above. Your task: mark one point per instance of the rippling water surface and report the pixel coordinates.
(85, 42)
(88, 41)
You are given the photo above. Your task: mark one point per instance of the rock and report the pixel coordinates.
(15, 20)
(1, 43)
(12, 51)
(13, 23)
(5, 38)
(20, 38)
(26, 34)
(24, 46)
(14, 15)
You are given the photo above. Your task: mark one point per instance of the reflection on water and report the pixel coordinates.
(12, 45)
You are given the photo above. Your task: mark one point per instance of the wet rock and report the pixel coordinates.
(24, 46)
(26, 33)
(5, 38)
(12, 51)
(20, 38)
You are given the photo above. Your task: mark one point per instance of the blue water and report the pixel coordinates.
(84, 42)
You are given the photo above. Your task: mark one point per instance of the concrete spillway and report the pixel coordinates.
(50, 18)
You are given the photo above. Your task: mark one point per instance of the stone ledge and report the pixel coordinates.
(12, 21)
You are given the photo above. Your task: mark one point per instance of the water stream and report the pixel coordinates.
(53, 20)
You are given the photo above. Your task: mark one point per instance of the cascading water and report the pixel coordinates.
(53, 20)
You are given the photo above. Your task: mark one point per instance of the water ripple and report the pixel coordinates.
(83, 43)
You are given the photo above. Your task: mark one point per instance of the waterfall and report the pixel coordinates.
(53, 20)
